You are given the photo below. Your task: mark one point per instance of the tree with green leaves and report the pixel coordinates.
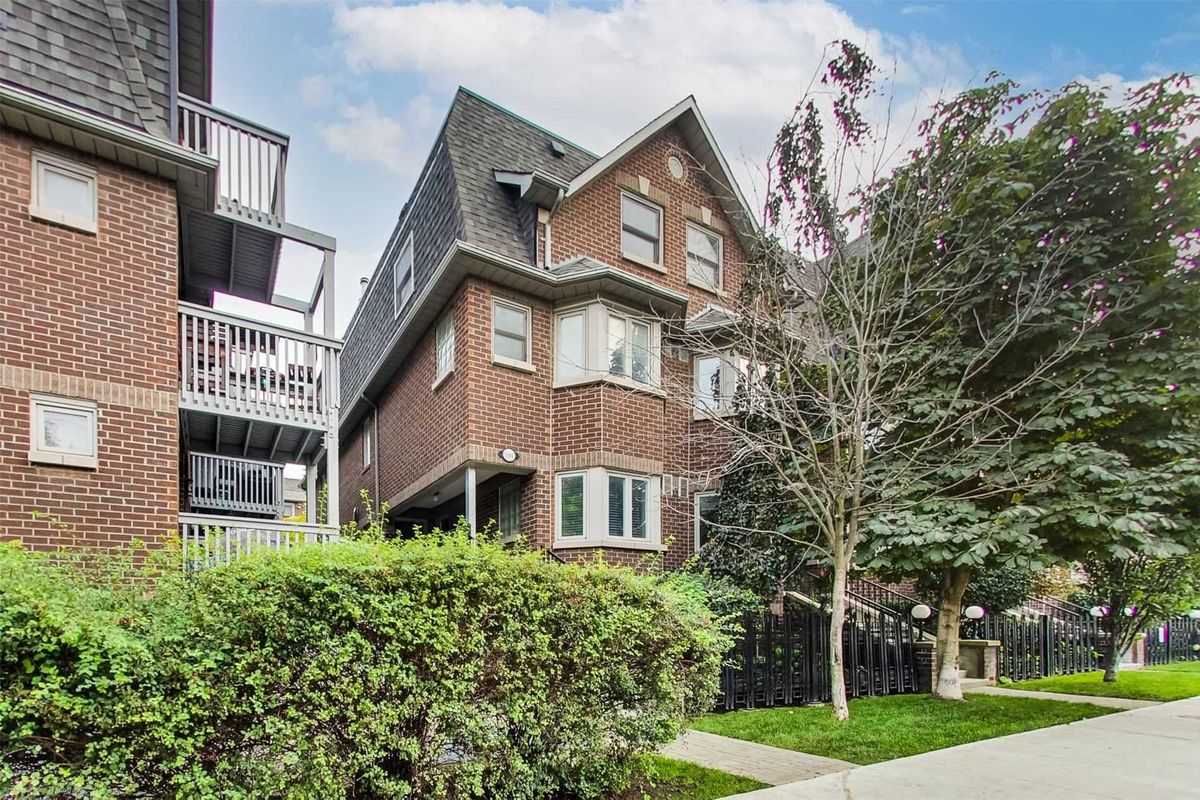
(916, 392)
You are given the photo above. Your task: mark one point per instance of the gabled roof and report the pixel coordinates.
(687, 117)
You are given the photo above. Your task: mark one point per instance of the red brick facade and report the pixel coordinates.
(425, 433)
(90, 316)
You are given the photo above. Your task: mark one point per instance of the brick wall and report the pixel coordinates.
(90, 316)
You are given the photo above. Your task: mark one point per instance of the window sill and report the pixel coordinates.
(614, 380)
(520, 366)
(63, 460)
(442, 379)
(711, 414)
(607, 544)
(66, 221)
(641, 262)
(707, 287)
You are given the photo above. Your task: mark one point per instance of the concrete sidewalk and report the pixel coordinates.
(1108, 702)
(1148, 752)
(763, 763)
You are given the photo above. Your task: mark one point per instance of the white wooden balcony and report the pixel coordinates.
(230, 365)
(239, 485)
(209, 540)
(252, 160)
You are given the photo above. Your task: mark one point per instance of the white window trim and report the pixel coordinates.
(719, 289)
(595, 349)
(696, 517)
(504, 361)
(595, 511)
(444, 327)
(41, 455)
(730, 375)
(627, 509)
(558, 482)
(401, 294)
(73, 169)
(656, 265)
(368, 446)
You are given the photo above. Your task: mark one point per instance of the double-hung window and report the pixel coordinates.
(64, 192)
(629, 348)
(570, 345)
(628, 506)
(402, 276)
(704, 513)
(511, 333)
(63, 431)
(641, 230)
(704, 258)
(445, 347)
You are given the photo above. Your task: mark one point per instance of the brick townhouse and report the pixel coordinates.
(517, 356)
(130, 406)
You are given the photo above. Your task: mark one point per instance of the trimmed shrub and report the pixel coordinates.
(433, 668)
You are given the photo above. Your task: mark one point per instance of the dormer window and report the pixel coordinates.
(641, 231)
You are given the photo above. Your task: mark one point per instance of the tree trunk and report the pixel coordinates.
(954, 583)
(1112, 659)
(837, 620)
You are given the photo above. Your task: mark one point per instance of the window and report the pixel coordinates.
(718, 378)
(510, 509)
(570, 505)
(705, 512)
(629, 348)
(641, 230)
(63, 431)
(628, 498)
(368, 442)
(63, 192)
(571, 346)
(598, 507)
(704, 258)
(402, 276)
(510, 334)
(445, 347)
(709, 393)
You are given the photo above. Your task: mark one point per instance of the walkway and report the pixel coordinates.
(1148, 752)
(763, 763)
(1108, 702)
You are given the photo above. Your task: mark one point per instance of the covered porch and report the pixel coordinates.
(478, 491)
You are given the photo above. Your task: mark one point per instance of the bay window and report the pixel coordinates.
(596, 342)
(598, 506)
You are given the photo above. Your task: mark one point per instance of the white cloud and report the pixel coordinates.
(316, 91)
(596, 73)
(366, 134)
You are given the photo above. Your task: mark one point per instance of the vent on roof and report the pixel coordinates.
(556, 147)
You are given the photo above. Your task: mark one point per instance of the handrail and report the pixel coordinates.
(266, 327)
(219, 521)
(186, 101)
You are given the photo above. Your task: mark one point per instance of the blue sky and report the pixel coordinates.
(363, 87)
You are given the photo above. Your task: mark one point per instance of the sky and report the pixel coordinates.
(363, 87)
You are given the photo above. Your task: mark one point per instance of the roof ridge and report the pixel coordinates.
(525, 120)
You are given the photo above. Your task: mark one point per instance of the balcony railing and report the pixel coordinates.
(251, 159)
(222, 483)
(231, 365)
(211, 540)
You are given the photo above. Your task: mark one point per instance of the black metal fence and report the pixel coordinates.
(1039, 646)
(1172, 641)
(784, 660)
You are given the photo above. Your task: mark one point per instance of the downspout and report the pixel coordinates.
(546, 229)
(375, 454)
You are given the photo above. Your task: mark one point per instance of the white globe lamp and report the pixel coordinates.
(921, 611)
(973, 612)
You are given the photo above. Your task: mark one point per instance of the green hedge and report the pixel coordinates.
(434, 668)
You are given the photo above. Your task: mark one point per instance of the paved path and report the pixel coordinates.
(1109, 702)
(1147, 752)
(772, 765)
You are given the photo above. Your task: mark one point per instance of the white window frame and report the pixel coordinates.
(40, 453)
(658, 265)
(443, 332)
(558, 506)
(733, 368)
(505, 361)
(368, 445)
(699, 282)
(595, 347)
(403, 292)
(595, 510)
(627, 507)
(696, 517)
(43, 162)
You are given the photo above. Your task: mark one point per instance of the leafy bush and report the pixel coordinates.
(996, 589)
(428, 669)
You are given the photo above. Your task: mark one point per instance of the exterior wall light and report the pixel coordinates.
(921, 611)
(973, 612)
(509, 456)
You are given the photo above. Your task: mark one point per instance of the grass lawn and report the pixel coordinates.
(661, 778)
(1168, 682)
(883, 728)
